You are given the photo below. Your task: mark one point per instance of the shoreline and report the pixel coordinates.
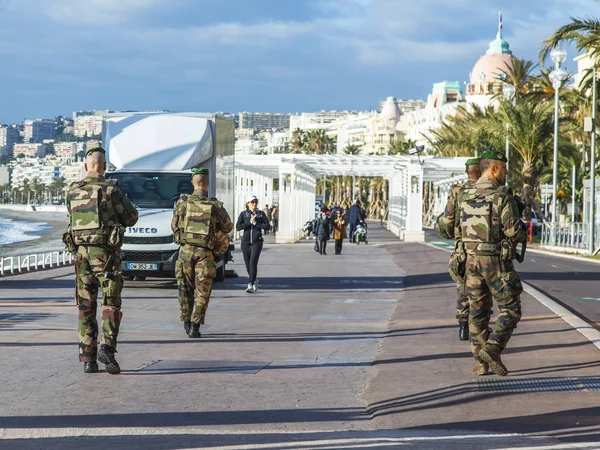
(48, 240)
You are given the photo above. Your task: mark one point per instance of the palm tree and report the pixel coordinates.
(518, 74)
(37, 189)
(57, 188)
(584, 33)
(25, 188)
(319, 143)
(401, 147)
(531, 133)
(352, 149)
(466, 133)
(298, 141)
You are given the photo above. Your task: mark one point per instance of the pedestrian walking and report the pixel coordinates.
(323, 230)
(275, 217)
(490, 230)
(200, 224)
(99, 213)
(448, 227)
(354, 218)
(252, 221)
(339, 231)
(267, 212)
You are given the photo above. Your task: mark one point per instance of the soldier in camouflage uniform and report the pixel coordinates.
(491, 228)
(448, 227)
(201, 226)
(99, 213)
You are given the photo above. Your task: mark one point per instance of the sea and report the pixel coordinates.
(15, 231)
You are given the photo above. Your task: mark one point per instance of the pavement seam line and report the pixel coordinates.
(580, 325)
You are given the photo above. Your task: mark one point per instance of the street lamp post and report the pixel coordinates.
(508, 92)
(592, 213)
(557, 76)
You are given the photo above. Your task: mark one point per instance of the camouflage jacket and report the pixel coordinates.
(489, 214)
(220, 218)
(95, 206)
(448, 223)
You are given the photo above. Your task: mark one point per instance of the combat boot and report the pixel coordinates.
(187, 326)
(106, 355)
(90, 367)
(491, 355)
(195, 333)
(480, 369)
(463, 330)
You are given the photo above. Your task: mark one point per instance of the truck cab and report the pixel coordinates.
(152, 156)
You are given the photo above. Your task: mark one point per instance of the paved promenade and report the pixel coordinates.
(352, 351)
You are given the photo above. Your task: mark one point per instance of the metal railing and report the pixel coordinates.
(27, 262)
(569, 235)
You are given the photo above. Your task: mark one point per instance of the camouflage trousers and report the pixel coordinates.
(487, 277)
(462, 303)
(195, 271)
(90, 264)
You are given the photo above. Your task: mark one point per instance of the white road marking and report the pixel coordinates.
(580, 325)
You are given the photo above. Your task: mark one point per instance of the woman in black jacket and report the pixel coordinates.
(323, 230)
(252, 221)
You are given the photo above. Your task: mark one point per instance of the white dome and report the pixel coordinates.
(390, 109)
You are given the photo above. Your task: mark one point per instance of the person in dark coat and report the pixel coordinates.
(339, 230)
(253, 222)
(323, 230)
(354, 218)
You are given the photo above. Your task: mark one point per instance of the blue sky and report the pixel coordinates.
(59, 56)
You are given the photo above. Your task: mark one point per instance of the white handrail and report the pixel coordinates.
(34, 261)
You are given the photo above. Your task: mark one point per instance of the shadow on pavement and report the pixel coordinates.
(561, 425)
(181, 419)
(8, 320)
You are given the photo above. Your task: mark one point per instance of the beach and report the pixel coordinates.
(48, 236)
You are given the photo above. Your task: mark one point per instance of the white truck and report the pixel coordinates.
(152, 156)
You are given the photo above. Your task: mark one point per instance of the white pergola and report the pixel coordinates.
(298, 175)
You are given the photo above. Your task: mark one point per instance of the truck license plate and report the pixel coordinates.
(141, 266)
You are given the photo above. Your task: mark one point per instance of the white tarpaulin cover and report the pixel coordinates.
(158, 142)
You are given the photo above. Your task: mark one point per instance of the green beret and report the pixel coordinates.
(94, 150)
(200, 171)
(472, 162)
(493, 154)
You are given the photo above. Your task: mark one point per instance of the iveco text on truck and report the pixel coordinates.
(152, 156)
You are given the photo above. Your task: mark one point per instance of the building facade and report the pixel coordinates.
(29, 150)
(490, 73)
(444, 101)
(36, 131)
(88, 123)
(9, 136)
(320, 120)
(264, 121)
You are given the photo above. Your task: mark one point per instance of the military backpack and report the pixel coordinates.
(198, 223)
(93, 219)
(480, 220)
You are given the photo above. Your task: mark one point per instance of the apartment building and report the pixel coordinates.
(38, 130)
(88, 123)
(9, 136)
(264, 121)
(29, 150)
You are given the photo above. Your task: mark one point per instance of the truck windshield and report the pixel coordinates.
(153, 190)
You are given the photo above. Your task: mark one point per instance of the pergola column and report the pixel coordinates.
(413, 231)
(286, 234)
